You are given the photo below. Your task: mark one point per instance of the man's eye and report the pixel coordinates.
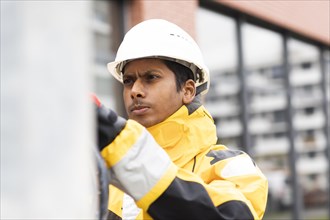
(151, 77)
(127, 81)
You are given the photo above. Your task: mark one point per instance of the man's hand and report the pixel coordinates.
(109, 124)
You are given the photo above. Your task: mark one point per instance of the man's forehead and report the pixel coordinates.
(144, 65)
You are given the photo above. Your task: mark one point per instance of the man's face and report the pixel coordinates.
(150, 92)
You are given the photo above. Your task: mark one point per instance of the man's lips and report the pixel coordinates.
(139, 109)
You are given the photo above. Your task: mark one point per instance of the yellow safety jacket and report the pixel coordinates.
(202, 180)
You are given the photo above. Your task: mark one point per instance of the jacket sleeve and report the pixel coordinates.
(142, 169)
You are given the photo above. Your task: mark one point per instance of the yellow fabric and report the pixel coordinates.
(123, 142)
(253, 189)
(188, 138)
(158, 189)
(116, 204)
(183, 136)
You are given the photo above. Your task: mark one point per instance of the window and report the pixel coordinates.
(219, 48)
(269, 74)
(106, 27)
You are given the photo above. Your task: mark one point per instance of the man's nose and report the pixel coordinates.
(137, 90)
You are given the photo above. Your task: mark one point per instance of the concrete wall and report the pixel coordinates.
(47, 132)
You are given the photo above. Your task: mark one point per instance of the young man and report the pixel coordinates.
(163, 160)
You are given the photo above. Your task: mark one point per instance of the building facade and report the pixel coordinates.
(269, 93)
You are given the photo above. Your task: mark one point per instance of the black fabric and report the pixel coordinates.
(189, 200)
(113, 216)
(222, 154)
(235, 209)
(109, 125)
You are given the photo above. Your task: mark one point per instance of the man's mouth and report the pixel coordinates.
(139, 109)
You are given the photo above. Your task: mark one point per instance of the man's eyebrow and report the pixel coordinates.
(143, 73)
(151, 71)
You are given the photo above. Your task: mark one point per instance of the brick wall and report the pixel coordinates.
(308, 18)
(179, 12)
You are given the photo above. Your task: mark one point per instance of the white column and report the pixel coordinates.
(47, 163)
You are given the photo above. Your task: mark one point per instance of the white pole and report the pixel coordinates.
(47, 161)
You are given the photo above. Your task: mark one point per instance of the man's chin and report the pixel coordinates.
(141, 121)
(146, 121)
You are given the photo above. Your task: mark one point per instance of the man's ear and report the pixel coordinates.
(189, 91)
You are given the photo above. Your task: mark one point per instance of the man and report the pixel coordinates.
(164, 161)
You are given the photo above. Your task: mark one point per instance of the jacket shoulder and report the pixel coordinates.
(226, 163)
(221, 152)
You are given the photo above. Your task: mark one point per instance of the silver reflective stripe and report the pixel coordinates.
(239, 166)
(141, 168)
(130, 210)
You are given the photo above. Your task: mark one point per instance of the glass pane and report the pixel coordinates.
(308, 101)
(326, 56)
(261, 47)
(102, 48)
(103, 25)
(267, 106)
(217, 40)
(101, 11)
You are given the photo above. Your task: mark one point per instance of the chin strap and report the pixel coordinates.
(195, 104)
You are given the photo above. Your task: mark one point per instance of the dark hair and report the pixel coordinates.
(181, 72)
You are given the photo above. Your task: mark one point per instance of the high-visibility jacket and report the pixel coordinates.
(194, 179)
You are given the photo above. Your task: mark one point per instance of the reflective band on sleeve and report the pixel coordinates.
(141, 167)
(115, 151)
(239, 166)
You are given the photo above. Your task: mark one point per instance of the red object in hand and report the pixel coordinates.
(96, 100)
(109, 124)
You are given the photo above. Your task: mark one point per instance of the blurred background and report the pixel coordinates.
(269, 95)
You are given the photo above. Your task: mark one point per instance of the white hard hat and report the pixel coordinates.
(157, 38)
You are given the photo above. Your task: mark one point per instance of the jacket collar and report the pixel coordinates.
(186, 133)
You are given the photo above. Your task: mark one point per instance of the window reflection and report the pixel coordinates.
(265, 82)
(217, 39)
(309, 121)
(103, 22)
